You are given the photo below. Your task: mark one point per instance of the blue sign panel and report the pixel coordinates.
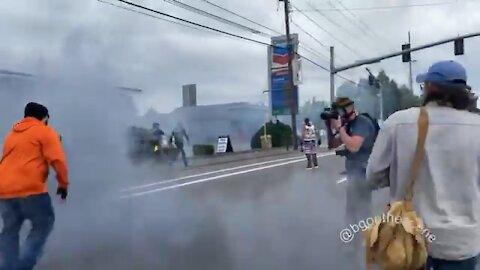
(281, 96)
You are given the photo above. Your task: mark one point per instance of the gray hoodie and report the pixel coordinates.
(447, 190)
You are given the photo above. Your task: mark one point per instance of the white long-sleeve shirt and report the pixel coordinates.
(447, 190)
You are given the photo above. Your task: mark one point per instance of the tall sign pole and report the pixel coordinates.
(291, 85)
(410, 78)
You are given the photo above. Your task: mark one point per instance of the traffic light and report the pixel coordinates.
(459, 48)
(406, 56)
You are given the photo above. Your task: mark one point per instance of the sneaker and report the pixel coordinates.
(316, 167)
(309, 168)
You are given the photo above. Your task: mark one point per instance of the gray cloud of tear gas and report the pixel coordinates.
(93, 117)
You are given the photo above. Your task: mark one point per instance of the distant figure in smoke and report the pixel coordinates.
(176, 139)
(28, 151)
(157, 135)
(310, 144)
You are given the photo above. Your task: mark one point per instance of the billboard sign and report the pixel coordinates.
(280, 96)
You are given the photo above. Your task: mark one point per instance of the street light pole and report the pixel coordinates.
(390, 55)
(267, 115)
(291, 85)
(332, 74)
(410, 78)
(378, 85)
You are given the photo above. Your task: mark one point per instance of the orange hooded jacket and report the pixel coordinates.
(28, 151)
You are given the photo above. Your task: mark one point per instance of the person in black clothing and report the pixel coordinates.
(156, 138)
(176, 139)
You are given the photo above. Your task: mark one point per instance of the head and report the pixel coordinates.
(307, 121)
(37, 111)
(156, 126)
(446, 84)
(346, 108)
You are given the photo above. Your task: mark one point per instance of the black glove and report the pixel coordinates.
(63, 192)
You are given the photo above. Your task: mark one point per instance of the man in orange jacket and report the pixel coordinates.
(28, 151)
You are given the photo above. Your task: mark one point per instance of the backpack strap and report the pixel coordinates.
(419, 151)
(372, 121)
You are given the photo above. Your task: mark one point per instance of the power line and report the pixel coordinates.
(352, 21)
(326, 31)
(314, 52)
(201, 26)
(328, 19)
(387, 7)
(368, 28)
(191, 22)
(149, 15)
(316, 39)
(348, 18)
(241, 16)
(213, 16)
(310, 35)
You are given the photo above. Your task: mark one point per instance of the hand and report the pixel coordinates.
(62, 192)
(336, 124)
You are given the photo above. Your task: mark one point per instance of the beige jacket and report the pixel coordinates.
(447, 191)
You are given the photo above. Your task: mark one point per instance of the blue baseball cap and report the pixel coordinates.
(446, 73)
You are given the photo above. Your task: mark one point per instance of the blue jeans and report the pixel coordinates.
(39, 210)
(437, 264)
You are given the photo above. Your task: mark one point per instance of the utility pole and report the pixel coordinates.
(291, 85)
(410, 78)
(332, 74)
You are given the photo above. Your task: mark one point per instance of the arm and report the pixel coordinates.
(360, 129)
(185, 135)
(352, 143)
(53, 152)
(380, 160)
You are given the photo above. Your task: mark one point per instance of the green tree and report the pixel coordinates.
(367, 99)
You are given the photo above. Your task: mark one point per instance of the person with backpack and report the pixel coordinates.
(358, 133)
(443, 185)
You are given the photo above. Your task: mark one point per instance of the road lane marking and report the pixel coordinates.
(162, 182)
(137, 194)
(211, 178)
(342, 180)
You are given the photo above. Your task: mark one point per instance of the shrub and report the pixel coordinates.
(203, 150)
(280, 132)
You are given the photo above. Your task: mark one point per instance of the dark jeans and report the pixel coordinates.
(182, 152)
(437, 264)
(358, 208)
(38, 209)
(311, 160)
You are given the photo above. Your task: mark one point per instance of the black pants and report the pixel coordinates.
(38, 209)
(312, 159)
(358, 208)
(182, 152)
(437, 264)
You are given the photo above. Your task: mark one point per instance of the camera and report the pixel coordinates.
(341, 153)
(330, 113)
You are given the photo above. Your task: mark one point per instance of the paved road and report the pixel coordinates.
(270, 215)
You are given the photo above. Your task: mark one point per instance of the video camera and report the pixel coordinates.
(330, 113)
(334, 113)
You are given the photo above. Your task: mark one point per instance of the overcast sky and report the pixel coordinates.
(39, 36)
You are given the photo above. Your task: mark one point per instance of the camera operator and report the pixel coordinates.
(358, 133)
